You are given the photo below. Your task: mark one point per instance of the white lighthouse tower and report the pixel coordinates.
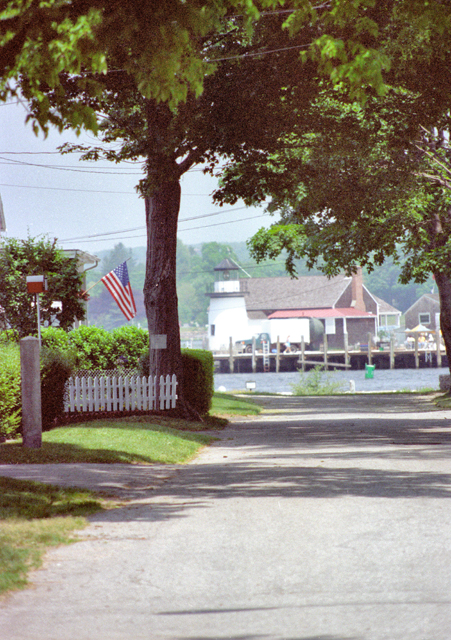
(227, 316)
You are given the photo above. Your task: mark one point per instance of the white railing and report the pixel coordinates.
(120, 393)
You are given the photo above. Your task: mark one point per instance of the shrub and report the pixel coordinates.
(56, 369)
(93, 346)
(128, 344)
(97, 348)
(198, 378)
(54, 338)
(9, 336)
(10, 389)
(318, 382)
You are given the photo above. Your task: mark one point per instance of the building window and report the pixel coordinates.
(424, 318)
(330, 326)
(212, 329)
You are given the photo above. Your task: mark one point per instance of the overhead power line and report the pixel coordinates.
(27, 186)
(100, 237)
(62, 168)
(109, 233)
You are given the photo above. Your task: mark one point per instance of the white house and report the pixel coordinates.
(284, 307)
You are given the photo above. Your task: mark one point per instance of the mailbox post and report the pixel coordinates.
(37, 285)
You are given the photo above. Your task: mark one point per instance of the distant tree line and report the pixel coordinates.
(195, 274)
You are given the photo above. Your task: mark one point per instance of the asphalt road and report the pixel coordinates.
(323, 519)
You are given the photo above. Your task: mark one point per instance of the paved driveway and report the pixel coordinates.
(323, 519)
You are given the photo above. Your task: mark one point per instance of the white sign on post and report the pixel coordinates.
(158, 341)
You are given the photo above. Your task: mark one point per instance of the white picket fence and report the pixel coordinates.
(120, 393)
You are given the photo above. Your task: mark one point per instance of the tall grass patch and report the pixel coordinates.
(35, 516)
(318, 382)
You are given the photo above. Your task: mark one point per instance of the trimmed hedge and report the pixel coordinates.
(91, 348)
(56, 369)
(97, 348)
(10, 390)
(198, 379)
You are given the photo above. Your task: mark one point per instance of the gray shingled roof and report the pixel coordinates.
(385, 307)
(305, 292)
(226, 264)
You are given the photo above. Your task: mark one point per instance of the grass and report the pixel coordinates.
(138, 439)
(135, 439)
(443, 400)
(228, 405)
(35, 516)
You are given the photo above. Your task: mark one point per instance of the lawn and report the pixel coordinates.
(35, 516)
(224, 404)
(127, 440)
(135, 439)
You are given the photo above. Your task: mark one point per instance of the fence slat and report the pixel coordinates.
(108, 394)
(96, 392)
(77, 394)
(151, 393)
(173, 391)
(83, 395)
(127, 392)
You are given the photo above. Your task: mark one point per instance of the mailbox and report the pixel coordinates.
(36, 284)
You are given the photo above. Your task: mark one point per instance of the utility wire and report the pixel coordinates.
(204, 215)
(26, 186)
(80, 170)
(141, 235)
(62, 168)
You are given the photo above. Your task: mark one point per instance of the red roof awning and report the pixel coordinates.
(348, 312)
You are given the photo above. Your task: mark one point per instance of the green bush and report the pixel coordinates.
(128, 344)
(198, 379)
(9, 336)
(54, 338)
(56, 369)
(10, 389)
(93, 346)
(97, 348)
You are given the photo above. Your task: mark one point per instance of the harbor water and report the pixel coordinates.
(382, 380)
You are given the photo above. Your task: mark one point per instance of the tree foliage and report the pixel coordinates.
(180, 83)
(357, 183)
(38, 256)
(168, 48)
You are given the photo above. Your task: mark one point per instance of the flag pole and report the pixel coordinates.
(93, 285)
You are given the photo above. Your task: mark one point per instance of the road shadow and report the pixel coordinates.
(294, 456)
(298, 456)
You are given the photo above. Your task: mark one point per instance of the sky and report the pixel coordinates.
(92, 206)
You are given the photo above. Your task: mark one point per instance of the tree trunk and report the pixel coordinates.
(444, 289)
(160, 292)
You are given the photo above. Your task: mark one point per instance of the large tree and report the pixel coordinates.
(158, 44)
(240, 99)
(245, 106)
(161, 45)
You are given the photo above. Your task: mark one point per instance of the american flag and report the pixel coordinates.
(118, 284)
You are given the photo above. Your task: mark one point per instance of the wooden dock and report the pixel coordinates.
(387, 358)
